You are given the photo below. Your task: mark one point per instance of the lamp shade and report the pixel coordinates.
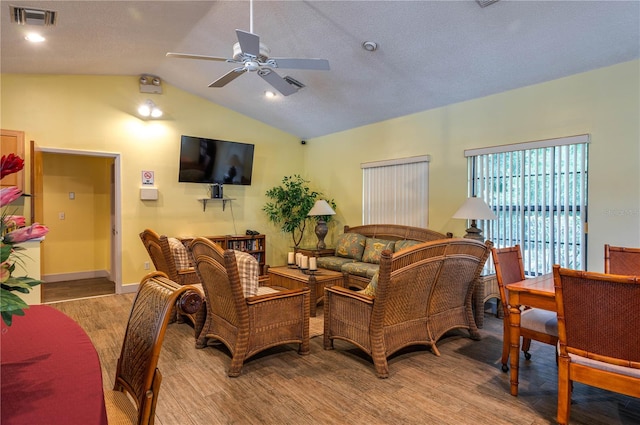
(321, 207)
(475, 209)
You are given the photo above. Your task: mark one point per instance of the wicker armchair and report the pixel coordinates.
(621, 260)
(164, 259)
(137, 377)
(598, 324)
(537, 324)
(246, 325)
(422, 292)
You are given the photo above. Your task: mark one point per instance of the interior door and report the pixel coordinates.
(37, 204)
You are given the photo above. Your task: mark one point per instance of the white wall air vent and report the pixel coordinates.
(485, 3)
(31, 16)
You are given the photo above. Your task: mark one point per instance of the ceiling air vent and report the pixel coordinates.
(485, 3)
(294, 82)
(31, 16)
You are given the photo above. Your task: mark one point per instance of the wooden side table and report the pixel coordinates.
(294, 278)
(483, 292)
(315, 252)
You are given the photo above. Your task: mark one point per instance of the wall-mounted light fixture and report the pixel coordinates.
(150, 84)
(149, 110)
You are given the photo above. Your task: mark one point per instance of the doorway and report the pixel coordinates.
(81, 197)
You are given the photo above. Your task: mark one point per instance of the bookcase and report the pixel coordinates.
(253, 244)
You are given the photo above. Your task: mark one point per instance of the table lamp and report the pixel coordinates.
(320, 209)
(475, 209)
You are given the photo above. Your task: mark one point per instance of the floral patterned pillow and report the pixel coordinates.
(405, 243)
(373, 249)
(350, 245)
(371, 287)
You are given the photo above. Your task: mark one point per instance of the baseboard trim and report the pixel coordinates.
(75, 276)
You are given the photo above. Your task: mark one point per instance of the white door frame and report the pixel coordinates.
(116, 217)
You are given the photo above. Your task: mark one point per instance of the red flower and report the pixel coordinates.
(10, 164)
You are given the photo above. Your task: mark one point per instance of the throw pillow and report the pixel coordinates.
(373, 249)
(248, 269)
(350, 245)
(404, 244)
(371, 287)
(180, 254)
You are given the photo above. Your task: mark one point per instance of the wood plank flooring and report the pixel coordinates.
(463, 386)
(75, 289)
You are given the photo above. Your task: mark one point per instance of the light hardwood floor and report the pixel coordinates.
(463, 386)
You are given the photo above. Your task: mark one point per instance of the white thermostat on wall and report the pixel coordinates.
(147, 177)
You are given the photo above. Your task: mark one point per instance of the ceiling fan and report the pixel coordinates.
(253, 56)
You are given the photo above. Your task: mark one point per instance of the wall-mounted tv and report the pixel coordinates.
(215, 161)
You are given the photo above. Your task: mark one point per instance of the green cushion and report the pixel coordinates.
(374, 247)
(371, 287)
(334, 263)
(350, 245)
(361, 269)
(404, 244)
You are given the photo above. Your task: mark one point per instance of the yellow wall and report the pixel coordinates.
(97, 114)
(85, 227)
(604, 103)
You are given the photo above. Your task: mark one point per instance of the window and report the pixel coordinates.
(396, 191)
(538, 190)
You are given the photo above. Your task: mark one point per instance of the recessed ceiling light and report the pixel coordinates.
(370, 46)
(34, 38)
(269, 94)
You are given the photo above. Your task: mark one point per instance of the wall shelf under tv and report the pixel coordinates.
(223, 200)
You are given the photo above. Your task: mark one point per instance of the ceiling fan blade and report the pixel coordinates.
(249, 43)
(291, 63)
(277, 82)
(228, 77)
(191, 56)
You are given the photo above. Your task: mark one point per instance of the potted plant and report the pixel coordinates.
(291, 202)
(12, 232)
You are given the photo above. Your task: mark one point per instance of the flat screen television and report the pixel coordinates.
(215, 161)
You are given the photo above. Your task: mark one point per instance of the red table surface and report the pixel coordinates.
(50, 371)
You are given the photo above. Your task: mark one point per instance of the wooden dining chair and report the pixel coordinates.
(598, 324)
(137, 381)
(537, 324)
(621, 260)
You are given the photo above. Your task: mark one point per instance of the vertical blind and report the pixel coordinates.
(396, 191)
(538, 191)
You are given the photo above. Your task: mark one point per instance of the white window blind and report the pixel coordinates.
(396, 191)
(538, 190)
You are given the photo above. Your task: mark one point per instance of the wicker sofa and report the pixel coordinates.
(358, 249)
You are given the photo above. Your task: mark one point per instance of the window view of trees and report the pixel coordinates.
(540, 198)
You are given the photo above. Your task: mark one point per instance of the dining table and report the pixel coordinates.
(50, 371)
(538, 292)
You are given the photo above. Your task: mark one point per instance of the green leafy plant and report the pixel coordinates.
(291, 202)
(12, 232)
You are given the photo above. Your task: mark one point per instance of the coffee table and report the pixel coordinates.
(294, 278)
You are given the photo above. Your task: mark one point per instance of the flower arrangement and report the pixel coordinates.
(12, 232)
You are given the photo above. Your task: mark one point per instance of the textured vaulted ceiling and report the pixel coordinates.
(431, 53)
